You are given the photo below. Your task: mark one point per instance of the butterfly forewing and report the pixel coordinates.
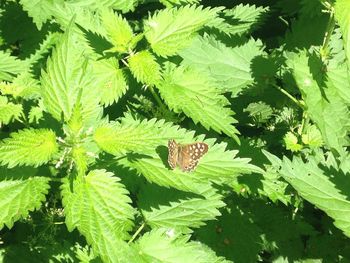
(187, 155)
(173, 149)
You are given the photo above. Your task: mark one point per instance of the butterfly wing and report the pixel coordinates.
(190, 154)
(173, 149)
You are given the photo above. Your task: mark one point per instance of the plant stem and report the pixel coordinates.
(159, 101)
(289, 96)
(136, 233)
(328, 34)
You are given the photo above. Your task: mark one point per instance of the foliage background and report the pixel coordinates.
(92, 91)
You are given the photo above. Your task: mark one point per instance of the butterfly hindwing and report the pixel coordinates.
(173, 149)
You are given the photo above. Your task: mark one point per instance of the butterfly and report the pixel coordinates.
(186, 156)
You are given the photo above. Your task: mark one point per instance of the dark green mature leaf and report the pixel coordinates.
(185, 89)
(99, 207)
(28, 147)
(230, 67)
(322, 101)
(162, 245)
(325, 187)
(172, 29)
(20, 193)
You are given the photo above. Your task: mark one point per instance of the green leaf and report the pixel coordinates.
(162, 245)
(172, 3)
(325, 187)
(144, 67)
(10, 66)
(230, 67)
(322, 101)
(28, 147)
(185, 89)
(184, 214)
(20, 192)
(37, 10)
(342, 14)
(338, 77)
(9, 111)
(172, 29)
(68, 80)
(118, 31)
(144, 146)
(259, 111)
(312, 137)
(239, 20)
(110, 80)
(99, 207)
(291, 142)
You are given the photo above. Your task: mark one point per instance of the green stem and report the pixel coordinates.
(159, 101)
(289, 96)
(136, 233)
(328, 34)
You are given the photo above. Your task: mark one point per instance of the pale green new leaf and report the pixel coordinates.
(163, 245)
(144, 148)
(239, 20)
(9, 111)
(185, 214)
(322, 101)
(68, 79)
(109, 80)
(342, 14)
(24, 86)
(144, 67)
(10, 66)
(37, 9)
(230, 67)
(321, 186)
(186, 90)
(172, 29)
(118, 30)
(20, 192)
(28, 147)
(98, 205)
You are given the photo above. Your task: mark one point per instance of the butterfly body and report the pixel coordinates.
(186, 156)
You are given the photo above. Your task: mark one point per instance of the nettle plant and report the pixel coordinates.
(87, 117)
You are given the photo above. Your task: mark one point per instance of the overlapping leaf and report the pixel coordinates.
(230, 67)
(322, 186)
(342, 14)
(20, 192)
(323, 103)
(99, 207)
(28, 147)
(68, 80)
(164, 246)
(172, 29)
(9, 110)
(185, 89)
(37, 9)
(10, 66)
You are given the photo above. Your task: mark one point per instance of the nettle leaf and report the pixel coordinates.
(323, 103)
(325, 187)
(9, 111)
(144, 144)
(172, 3)
(28, 147)
(110, 80)
(230, 67)
(118, 30)
(162, 245)
(37, 10)
(239, 20)
(10, 66)
(99, 207)
(172, 29)
(24, 86)
(342, 14)
(185, 89)
(185, 214)
(144, 67)
(338, 76)
(68, 79)
(20, 193)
